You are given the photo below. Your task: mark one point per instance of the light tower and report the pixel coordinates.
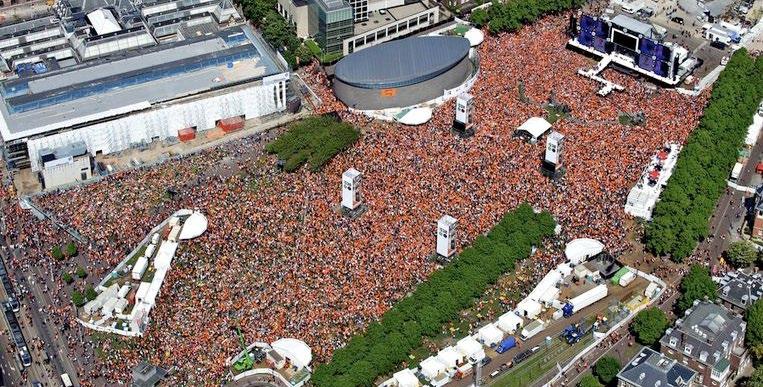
(352, 204)
(446, 236)
(552, 165)
(462, 124)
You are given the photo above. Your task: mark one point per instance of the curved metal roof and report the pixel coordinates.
(402, 62)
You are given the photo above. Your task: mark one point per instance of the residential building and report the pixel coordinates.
(650, 368)
(710, 340)
(740, 289)
(297, 13)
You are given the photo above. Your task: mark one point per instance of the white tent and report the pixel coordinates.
(549, 295)
(490, 335)
(528, 308)
(406, 378)
(578, 250)
(295, 350)
(416, 116)
(103, 21)
(475, 37)
(510, 322)
(450, 357)
(471, 348)
(431, 368)
(535, 127)
(194, 226)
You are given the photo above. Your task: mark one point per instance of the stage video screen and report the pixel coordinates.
(624, 40)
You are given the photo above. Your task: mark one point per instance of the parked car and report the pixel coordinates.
(678, 20)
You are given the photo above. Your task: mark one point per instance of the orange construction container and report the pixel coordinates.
(186, 134)
(231, 124)
(215, 133)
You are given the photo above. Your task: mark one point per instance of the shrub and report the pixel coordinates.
(81, 273)
(77, 298)
(56, 253)
(90, 293)
(67, 278)
(589, 381)
(71, 249)
(649, 325)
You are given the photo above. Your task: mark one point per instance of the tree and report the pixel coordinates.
(71, 249)
(606, 369)
(754, 318)
(649, 325)
(589, 381)
(741, 253)
(56, 253)
(81, 273)
(756, 379)
(696, 285)
(67, 278)
(77, 298)
(90, 293)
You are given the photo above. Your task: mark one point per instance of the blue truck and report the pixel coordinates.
(507, 344)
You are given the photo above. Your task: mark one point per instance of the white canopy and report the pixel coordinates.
(475, 37)
(416, 116)
(535, 126)
(295, 350)
(578, 250)
(549, 281)
(549, 295)
(431, 367)
(164, 255)
(510, 322)
(753, 131)
(450, 357)
(528, 308)
(103, 21)
(490, 334)
(470, 347)
(194, 226)
(406, 378)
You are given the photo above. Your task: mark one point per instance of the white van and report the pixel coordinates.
(736, 172)
(66, 380)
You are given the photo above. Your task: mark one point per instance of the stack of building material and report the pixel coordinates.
(186, 134)
(231, 124)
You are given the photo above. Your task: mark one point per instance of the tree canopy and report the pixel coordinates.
(276, 30)
(742, 253)
(754, 318)
(314, 140)
(649, 325)
(511, 15)
(696, 285)
(589, 381)
(680, 218)
(386, 343)
(606, 369)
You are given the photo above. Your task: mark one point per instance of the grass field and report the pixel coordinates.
(541, 362)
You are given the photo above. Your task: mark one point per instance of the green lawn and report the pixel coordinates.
(541, 362)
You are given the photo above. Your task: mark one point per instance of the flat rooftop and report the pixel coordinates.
(117, 85)
(392, 15)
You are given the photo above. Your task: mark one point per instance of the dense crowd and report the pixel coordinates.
(279, 260)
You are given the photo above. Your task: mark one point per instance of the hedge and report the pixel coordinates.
(511, 15)
(314, 140)
(680, 218)
(386, 343)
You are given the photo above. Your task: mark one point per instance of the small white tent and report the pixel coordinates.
(471, 348)
(528, 308)
(534, 128)
(450, 357)
(490, 335)
(431, 368)
(406, 378)
(510, 322)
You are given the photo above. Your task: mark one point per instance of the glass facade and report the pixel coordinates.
(332, 23)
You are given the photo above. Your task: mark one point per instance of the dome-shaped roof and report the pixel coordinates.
(194, 226)
(295, 350)
(402, 62)
(474, 36)
(416, 116)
